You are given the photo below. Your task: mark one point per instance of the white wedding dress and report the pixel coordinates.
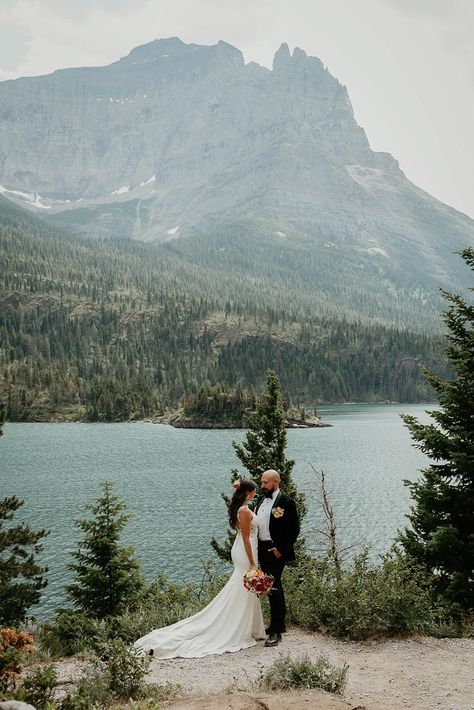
(231, 622)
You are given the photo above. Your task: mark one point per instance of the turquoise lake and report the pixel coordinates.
(172, 480)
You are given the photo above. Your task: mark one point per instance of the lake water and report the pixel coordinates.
(172, 480)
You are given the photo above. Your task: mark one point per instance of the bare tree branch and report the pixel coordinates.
(330, 531)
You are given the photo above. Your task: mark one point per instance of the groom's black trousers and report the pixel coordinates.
(274, 566)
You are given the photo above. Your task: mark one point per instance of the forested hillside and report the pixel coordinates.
(114, 329)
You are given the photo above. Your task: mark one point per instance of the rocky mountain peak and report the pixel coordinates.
(282, 57)
(162, 56)
(176, 137)
(299, 55)
(150, 49)
(307, 76)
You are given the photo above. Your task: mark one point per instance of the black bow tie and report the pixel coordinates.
(268, 494)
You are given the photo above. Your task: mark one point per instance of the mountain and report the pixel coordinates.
(114, 329)
(235, 167)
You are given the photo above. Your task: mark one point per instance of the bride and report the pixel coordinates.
(233, 620)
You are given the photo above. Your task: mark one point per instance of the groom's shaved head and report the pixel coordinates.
(274, 475)
(270, 480)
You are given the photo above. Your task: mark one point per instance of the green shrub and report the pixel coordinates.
(449, 622)
(156, 692)
(76, 702)
(71, 632)
(363, 601)
(39, 686)
(287, 674)
(93, 690)
(125, 668)
(119, 674)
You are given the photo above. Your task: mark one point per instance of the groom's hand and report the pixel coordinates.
(275, 552)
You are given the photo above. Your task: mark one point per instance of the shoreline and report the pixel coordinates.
(166, 419)
(198, 427)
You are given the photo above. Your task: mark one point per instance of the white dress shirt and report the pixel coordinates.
(264, 513)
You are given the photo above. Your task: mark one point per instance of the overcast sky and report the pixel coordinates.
(408, 64)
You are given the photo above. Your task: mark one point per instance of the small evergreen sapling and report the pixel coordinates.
(107, 576)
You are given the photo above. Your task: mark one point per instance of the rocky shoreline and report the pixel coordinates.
(180, 421)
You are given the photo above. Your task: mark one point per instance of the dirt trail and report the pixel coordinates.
(420, 673)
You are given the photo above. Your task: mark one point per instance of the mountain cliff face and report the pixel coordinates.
(187, 121)
(179, 141)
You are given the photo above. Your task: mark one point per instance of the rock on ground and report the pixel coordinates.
(304, 700)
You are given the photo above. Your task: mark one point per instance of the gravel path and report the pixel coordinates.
(420, 673)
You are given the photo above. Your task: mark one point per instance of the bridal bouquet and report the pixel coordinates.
(257, 582)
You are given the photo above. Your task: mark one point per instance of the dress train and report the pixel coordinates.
(232, 621)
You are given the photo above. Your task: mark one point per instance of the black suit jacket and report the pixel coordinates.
(285, 529)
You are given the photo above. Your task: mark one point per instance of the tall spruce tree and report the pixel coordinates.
(264, 447)
(441, 536)
(21, 577)
(107, 576)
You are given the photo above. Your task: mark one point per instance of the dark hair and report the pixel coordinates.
(238, 499)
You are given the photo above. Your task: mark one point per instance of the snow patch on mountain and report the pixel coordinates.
(121, 191)
(149, 181)
(32, 198)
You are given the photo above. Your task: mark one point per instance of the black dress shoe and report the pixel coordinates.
(273, 640)
(269, 631)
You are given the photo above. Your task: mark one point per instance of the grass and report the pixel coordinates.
(304, 674)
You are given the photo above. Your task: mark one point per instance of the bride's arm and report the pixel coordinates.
(245, 519)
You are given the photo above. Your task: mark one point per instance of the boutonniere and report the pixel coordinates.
(278, 512)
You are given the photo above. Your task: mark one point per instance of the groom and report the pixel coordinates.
(278, 528)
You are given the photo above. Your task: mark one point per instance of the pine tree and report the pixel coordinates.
(3, 416)
(441, 536)
(21, 577)
(265, 443)
(264, 448)
(107, 576)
